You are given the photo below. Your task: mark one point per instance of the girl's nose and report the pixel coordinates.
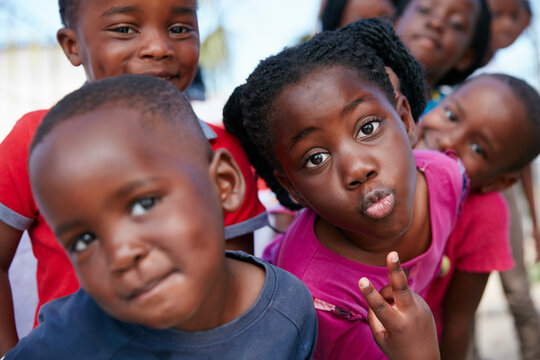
(436, 22)
(356, 170)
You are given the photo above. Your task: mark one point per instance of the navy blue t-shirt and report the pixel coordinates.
(281, 324)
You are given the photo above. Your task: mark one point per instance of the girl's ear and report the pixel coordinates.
(404, 111)
(283, 180)
(68, 40)
(229, 180)
(500, 183)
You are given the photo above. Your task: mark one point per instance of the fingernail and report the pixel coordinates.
(394, 257)
(363, 283)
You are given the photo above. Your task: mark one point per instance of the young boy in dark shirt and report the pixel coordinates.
(124, 175)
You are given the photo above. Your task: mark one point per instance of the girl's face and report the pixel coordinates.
(345, 152)
(481, 122)
(438, 34)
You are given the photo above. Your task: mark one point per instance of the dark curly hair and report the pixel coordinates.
(365, 46)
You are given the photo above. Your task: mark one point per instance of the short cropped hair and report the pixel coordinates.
(147, 94)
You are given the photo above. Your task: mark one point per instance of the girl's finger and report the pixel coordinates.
(403, 296)
(380, 307)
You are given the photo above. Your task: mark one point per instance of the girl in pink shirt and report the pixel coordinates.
(323, 126)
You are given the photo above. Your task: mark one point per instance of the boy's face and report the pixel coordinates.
(137, 213)
(438, 34)
(484, 123)
(152, 37)
(346, 153)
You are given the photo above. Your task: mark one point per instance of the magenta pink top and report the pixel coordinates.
(333, 280)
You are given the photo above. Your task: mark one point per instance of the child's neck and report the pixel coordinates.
(235, 289)
(414, 242)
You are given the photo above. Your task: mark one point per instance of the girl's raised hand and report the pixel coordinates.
(401, 321)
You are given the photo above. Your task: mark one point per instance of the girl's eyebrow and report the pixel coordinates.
(302, 134)
(353, 104)
(347, 109)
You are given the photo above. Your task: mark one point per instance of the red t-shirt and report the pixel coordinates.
(55, 275)
(478, 244)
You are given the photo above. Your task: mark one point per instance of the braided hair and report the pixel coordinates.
(250, 109)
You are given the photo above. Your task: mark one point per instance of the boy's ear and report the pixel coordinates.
(283, 180)
(68, 40)
(230, 183)
(500, 183)
(466, 60)
(404, 111)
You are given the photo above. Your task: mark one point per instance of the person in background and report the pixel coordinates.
(448, 37)
(511, 18)
(473, 121)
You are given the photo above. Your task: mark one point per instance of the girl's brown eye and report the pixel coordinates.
(316, 160)
(367, 129)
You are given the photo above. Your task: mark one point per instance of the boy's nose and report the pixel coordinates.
(156, 46)
(124, 253)
(447, 141)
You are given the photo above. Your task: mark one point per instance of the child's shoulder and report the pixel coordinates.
(25, 127)
(442, 166)
(72, 327)
(281, 290)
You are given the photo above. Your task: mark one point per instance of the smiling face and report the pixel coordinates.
(142, 225)
(345, 153)
(484, 123)
(439, 33)
(157, 37)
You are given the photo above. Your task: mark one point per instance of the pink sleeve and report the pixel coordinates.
(483, 231)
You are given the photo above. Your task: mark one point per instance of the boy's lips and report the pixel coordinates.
(148, 288)
(378, 204)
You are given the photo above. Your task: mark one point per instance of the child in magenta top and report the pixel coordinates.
(474, 121)
(321, 122)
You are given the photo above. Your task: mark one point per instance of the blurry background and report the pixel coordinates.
(235, 35)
